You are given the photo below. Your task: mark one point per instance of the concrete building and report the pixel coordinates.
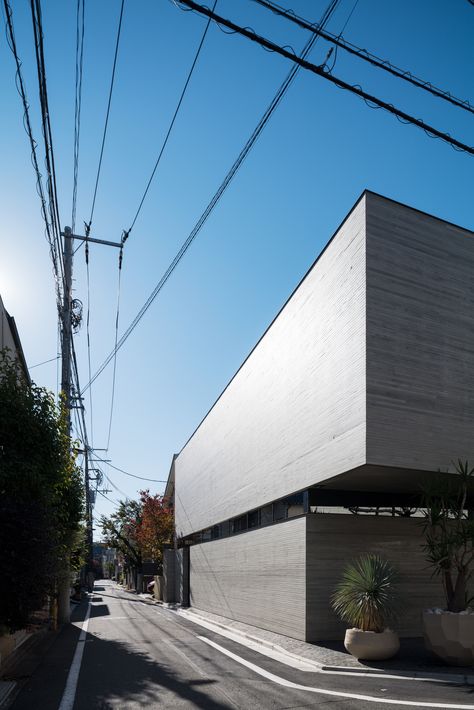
(359, 391)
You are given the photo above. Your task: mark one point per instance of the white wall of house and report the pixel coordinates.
(6, 337)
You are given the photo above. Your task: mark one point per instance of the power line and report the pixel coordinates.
(170, 128)
(80, 22)
(51, 236)
(44, 362)
(88, 226)
(366, 56)
(141, 478)
(46, 123)
(89, 338)
(368, 98)
(281, 91)
(114, 374)
(115, 502)
(114, 485)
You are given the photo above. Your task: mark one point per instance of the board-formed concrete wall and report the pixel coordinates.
(257, 577)
(335, 540)
(281, 577)
(420, 338)
(294, 414)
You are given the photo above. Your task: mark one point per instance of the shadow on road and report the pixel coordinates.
(116, 674)
(99, 610)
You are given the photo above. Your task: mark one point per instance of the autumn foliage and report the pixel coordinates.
(155, 527)
(140, 528)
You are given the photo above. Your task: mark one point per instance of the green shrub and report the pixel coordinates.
(366, 597)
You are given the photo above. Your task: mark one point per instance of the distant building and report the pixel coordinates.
(360, 389)
(10, 339)
(104, 559)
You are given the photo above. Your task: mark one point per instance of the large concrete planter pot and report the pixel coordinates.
(371, 646)
(450, 636)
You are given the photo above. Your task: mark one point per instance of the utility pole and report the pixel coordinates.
(66, 335)
(66, 387)
(67, 327)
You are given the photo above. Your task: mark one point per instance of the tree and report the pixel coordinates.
(449, 534)
(156, 525)
(139, 529)
(119, 531)
(41, 495)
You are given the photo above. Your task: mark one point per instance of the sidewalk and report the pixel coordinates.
(413, 660)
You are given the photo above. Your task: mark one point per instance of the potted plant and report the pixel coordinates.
(367, 599)
(449, 547)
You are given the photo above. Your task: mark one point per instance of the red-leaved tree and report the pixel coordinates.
(155, 526)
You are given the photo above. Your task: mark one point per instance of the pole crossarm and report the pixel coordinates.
(81, 238)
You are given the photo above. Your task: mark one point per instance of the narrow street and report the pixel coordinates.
(139, 655)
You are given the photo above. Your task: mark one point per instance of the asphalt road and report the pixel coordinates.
(137, 655)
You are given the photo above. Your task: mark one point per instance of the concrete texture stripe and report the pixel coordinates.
(69, 695)
(333, 693)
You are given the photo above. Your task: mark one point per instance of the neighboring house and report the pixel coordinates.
(10, 339)
(361, 389)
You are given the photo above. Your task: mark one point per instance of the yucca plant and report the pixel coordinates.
(366, 597)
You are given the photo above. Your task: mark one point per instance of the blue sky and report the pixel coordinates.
(321, 148)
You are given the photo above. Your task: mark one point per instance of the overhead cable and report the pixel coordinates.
(170, 127)
(114, 485)
(115, 502)
(117, 42)
(355, 89)
(44, 362)
(88, 336)
(283, 88)
(141, 478)
(114, 373)
(51, 235)
(80, 21)
(366, 56)
(46, 122)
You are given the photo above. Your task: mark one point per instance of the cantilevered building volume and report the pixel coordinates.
(360, 390)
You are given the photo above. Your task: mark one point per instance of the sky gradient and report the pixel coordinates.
(320, 150)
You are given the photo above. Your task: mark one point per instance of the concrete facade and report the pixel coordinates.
(363, 384)
(366, 373)
(256, 577)
(295, 411)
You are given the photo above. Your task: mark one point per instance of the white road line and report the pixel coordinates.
(307, 665)
(334, 693)
(69, 695)
(299, 664)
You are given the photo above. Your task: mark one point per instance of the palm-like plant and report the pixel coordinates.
(449, 534)
(367, 597)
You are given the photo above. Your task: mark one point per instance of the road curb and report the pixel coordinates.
(454, 678)
(189, 613)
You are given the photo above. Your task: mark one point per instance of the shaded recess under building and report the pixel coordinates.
(359, 392)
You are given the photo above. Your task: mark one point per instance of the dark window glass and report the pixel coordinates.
(254, 519)
(279, 510)
(266, 515)
(239, 524)
(215, 532)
